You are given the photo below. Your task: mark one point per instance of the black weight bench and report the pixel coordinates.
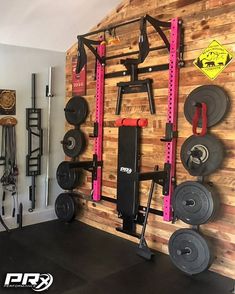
(129, 176)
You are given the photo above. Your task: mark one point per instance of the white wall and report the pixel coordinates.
(16, 66)
(46, 25)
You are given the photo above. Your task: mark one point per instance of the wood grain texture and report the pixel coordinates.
(204, 20)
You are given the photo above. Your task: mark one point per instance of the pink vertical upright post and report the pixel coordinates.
(99, 113)
(170, 152)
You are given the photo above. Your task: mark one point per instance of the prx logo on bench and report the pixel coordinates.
(38, 282)
(126, 170)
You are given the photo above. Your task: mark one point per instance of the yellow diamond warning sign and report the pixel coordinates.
(213, 60)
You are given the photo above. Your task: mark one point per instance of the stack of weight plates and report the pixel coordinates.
(76, 112)
(203, 155)
(196, 203)
(74, 143)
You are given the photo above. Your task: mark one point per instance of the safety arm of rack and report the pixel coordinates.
(157, 176)
(82, 164)
(85, 164)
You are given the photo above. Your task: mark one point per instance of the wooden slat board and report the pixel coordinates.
(204, 21)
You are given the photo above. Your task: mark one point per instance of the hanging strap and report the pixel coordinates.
(10, 168)
(143, 41)
(200, 112)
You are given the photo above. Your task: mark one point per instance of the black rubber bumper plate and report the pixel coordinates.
(217, 102)
(65, 207)
(67, 178)
(201, 156)
(195, 203)
(74, 143)
(189, 251)
(76, 110)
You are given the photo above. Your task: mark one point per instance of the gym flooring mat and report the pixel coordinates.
(85, 260)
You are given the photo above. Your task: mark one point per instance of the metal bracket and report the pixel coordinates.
(169, 133)
(141, 70)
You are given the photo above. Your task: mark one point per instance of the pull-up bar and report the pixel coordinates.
(111, 27)
(114, 26)
(144, 47)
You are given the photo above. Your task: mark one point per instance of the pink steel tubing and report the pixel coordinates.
(170, 152)
(99, 112)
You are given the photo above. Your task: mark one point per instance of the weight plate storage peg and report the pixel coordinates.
(65, 207)
(195, 203)
(217, 102)
(74, 143)
(189, 251)
(67, 178)
(201, 156)
(76, 110)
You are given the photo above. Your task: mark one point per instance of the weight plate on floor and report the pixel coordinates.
(217, 102)
(74, 143)
(202, 155)
(76, 110)
(189, 251)
(65, 207)
(195, 203)
(67, 178)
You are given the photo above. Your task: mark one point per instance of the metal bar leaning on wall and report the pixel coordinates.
(49, 95)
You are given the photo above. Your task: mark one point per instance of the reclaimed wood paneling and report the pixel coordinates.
(204, 20)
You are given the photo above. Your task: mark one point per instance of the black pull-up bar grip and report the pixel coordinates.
(119, 101)
(150, 98)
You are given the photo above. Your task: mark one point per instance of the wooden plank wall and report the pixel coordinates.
(204, 20)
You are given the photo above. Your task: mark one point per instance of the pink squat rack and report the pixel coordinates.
(175, 47)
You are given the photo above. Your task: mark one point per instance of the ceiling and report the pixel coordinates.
(51, 25)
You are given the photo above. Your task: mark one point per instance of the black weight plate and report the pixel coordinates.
(76, 110)
(65, 207)
(217, 104)
(195, 203)
(189, 251)
(74, 143)
(67, 178)
(211, 158)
